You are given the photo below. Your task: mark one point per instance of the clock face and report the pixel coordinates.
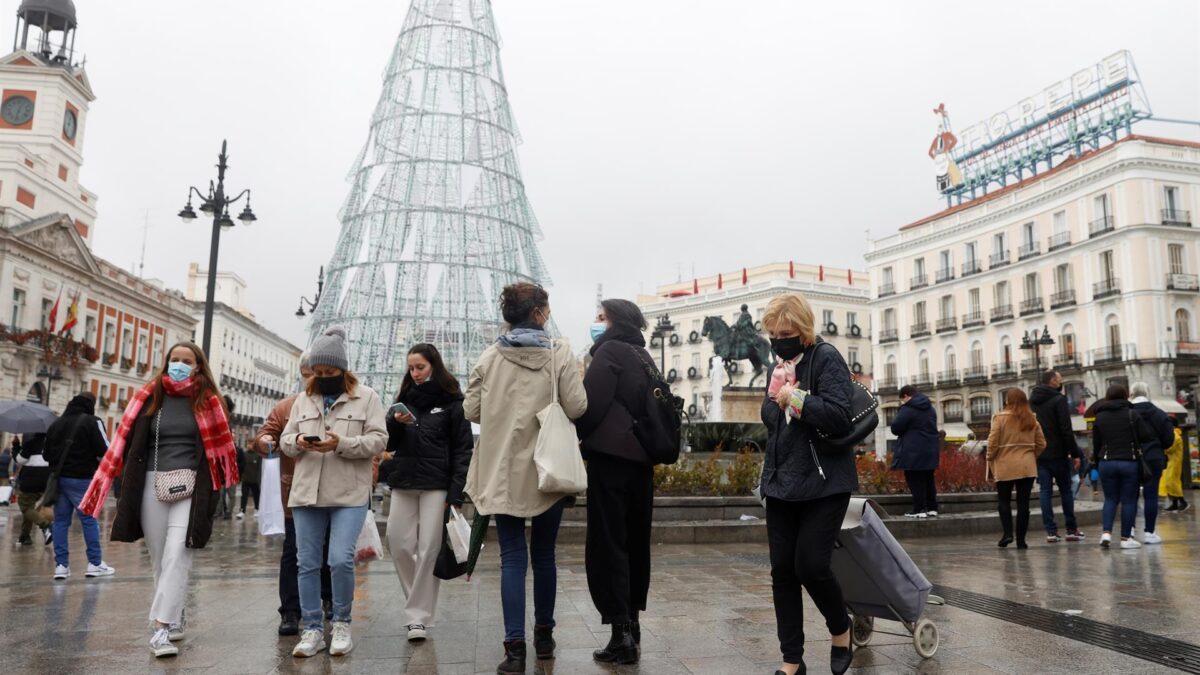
(17, 110)
(70, 125)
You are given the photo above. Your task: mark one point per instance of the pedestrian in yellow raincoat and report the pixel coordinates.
(1172, 482)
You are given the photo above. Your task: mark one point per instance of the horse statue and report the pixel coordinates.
(738, 344)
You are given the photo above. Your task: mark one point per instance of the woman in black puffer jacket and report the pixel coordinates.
(431, 446)
(1119, 437)
(806, 485)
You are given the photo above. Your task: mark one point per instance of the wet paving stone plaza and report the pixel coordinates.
(1055, 608)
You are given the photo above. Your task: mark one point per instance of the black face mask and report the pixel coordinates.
(330, 386)
(787, 348)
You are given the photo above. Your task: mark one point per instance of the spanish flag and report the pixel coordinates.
(72, 314)
(53, 318)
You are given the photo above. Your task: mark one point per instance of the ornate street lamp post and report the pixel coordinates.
(312, 304)
(1031, 341)
(51, 377)
(216, 204)
(662, 330)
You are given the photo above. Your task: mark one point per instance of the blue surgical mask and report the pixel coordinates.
(179, 371)
(598, 329)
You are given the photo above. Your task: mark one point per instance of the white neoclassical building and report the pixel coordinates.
(838, 297)
(1099, 254)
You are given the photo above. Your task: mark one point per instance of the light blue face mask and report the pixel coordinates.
(179, 371)
(598, 329)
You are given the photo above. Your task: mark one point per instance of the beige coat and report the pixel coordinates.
(508, 387)
(1011, 452)
(341, 477)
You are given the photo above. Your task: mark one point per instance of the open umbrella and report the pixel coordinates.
(479, 526)
(25, 417)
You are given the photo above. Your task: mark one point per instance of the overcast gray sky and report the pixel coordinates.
(666, 135)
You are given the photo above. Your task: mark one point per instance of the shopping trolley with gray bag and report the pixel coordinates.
(880, 581)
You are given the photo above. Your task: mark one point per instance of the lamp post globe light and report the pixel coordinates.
(1031, 341)
(312, 304)
(216, 204)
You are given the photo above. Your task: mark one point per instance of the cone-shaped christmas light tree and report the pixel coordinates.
(437, 221)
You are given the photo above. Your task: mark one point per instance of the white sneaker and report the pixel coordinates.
(176, 630)
(915, 515)
(1151, 538)
(241, 514)
(61, 572)
(101, 570)
(311, 642)
(931, 514)
(341, 643)
(160, 644)
(1130, 543)
(1105, 540)
(416, 632)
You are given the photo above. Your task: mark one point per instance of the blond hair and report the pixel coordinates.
(791, 310)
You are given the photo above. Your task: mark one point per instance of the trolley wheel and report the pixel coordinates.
(926, 638)
(862, 629)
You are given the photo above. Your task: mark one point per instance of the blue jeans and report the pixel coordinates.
(1150, 495)
(70, 493)
(344, 523)
(514, 559)
(1120, 480)
(1051, 471)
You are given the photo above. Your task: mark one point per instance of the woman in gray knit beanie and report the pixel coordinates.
(335, 429)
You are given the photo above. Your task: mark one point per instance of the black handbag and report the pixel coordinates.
(50, 494)
(446, 566)
(1139, 453)
(864, 410)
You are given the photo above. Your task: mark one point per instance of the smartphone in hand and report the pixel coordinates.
(312, 439)
(399, 409)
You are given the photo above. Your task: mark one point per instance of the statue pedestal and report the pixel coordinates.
(742, 404)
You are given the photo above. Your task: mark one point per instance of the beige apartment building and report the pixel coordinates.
(1099, 254)
(838, 296)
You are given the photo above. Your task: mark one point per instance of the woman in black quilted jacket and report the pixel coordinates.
(431, 446)
(806, 486)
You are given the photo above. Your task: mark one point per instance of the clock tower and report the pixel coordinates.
(44, 99)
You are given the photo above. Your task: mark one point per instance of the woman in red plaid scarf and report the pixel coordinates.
(174, 451)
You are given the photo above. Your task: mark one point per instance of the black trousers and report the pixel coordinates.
(801, 537)
(924, 490)
(620, 506)
(1004, 490)
(249, 490)
(289, 573)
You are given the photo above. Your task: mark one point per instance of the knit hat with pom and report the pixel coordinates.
(329, 349)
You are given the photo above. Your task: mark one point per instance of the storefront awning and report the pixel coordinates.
(956, 432)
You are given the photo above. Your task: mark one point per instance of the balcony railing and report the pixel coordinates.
(888, 335)
(1035, 366)
(890, 384)
(971, 267)
(919, 329)
(945, 274)
(1114, 353)
(971, 319)
(1058, 241)
(952, 416)
(1183, 282)
(886, 290)
(946, 325)
(1184, 349)
(1100, 225)
(998, 259)
(1032, 306)
(975, 374)
(919, 281)
(948, 377)
(922, 380)
(1029, 250)
(1002, 313)
(1004, 371)
(1176, 217)
(1067, 361)
(1106, 288)
(1062, 299)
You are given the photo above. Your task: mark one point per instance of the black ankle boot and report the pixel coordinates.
(621, 647)
(543, 641)
(514, 659)
(635, 627)
(1005, 541)
(840, 658)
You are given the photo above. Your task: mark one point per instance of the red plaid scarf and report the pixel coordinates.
(214, 432)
